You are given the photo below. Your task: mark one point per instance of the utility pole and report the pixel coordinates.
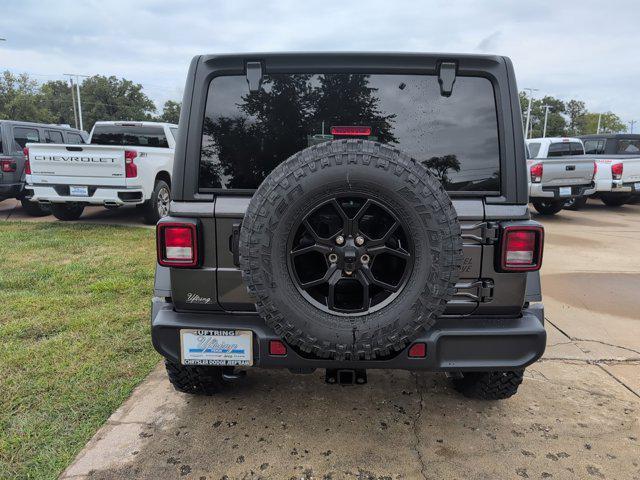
(546, 113)
(73, 101)
(77, 77)
(599, 119)
(632, 123)
(526, 128)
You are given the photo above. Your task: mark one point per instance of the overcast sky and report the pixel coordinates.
(586, 50)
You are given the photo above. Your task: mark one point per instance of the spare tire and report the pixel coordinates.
(351, 249)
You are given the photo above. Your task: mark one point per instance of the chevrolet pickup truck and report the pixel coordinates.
(125, 163)
(560, 175)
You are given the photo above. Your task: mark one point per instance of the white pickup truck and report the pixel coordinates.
(125, 163)
(617, 179)
(558, 171)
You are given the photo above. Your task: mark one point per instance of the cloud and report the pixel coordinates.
(557, 47)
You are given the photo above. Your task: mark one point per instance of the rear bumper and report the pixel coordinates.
(538, 190)
(453, 344)
(619, 186)
(98, 195)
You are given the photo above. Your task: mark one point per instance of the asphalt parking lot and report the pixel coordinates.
(575, 416)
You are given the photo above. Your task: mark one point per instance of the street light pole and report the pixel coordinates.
(526, 128)
(77, 77)
(599, 119)
(73, 101)
(632, 123)
(546, 113)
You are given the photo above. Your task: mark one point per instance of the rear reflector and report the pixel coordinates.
(521, 248)
(351, 131)
(418, 350)
(276, 347)
(616, 170)
(177, 244)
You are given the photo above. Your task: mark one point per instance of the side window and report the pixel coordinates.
(559, 149)
(594, 147)
(534, 148)
(576, 148)
(23, 135)
(74, 138)
(53, 136)
(628, 146)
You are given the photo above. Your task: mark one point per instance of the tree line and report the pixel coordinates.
(569, 118)
(103, 98)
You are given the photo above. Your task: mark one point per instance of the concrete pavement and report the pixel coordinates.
(576, 414)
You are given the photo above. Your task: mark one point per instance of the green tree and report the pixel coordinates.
(57, 99)
(556, 123)
(576, 112)
(170, 112)
(21, 99)
(609, 123)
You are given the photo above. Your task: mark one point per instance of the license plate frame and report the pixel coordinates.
(78, 190)
(216, 347)
(564, 191)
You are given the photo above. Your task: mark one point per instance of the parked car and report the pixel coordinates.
(14, 135)
(558, 173)
(125, 163)
(324, 217)
(617, 179)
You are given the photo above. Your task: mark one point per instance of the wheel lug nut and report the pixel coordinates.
(359, 240)
(339, 239)
(333, 258)
(365, 258)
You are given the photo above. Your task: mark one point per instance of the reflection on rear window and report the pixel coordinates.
(129, 135)
(246, 135)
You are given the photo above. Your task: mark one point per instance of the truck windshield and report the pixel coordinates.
(246, 135)
(129, 135)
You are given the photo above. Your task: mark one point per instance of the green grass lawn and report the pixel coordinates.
(74, 336)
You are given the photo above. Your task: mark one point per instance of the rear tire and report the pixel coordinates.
(67, 211)
(195, 380)
(547, 207)
(34, 209)
(158, 205)
(489, 385)
(614, 199)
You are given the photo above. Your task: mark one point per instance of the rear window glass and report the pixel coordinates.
(129, 135)
(52, 136)
(594, 147)
(74, 138)
(559, 149)
(576, 148)
(23, 135)
(246, 135)
(534, 148)
(628, 146)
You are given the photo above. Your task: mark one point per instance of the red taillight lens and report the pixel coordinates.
(351, 131)
(418, 350)
(616, 170)
(27, 164)
(521, 248)
(130, 168)
(177, 244)
(7, 165)
(536, 173)
(276, 347)
(595, 169)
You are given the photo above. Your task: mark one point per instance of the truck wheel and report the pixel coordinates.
(489, 385)
(196, 380)
(34, 209)
(158, 205)
(576, 203)
(351, 249)
(615, 199)
(67, 211)
(547, 207)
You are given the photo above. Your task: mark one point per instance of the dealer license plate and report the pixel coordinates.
(79, 191)
(565, 191)
(216, 347)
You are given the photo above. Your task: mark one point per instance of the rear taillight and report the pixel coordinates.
(130, 168)
(177, 244)
(595, 169)
(521, 248)
(27, 163)
(616, 170)
(7, 165)
(536, 173)
(351, 131)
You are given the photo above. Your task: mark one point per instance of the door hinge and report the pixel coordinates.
(488, 232)
(477, 291)
(446, 78)
(254, 76)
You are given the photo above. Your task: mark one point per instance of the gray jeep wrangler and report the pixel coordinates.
(349, 211)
